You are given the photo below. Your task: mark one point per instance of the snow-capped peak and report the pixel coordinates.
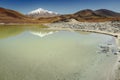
(40, 12)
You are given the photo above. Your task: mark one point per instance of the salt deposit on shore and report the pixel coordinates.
(110, 28)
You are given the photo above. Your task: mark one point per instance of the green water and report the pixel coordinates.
(28, 53)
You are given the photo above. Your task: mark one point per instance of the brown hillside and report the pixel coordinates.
(7, 13)
(11, 16)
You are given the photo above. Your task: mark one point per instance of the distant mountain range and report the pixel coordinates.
(97, 13)
(45, 16)
(101, 14)
(41, 13)
(90, 15)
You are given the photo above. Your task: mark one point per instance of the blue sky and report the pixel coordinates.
(60, 6)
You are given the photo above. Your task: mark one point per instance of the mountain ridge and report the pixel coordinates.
(86, 15)
(40, 12)
(107, 13)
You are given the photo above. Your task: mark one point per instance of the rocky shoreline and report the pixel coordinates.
(109, 28)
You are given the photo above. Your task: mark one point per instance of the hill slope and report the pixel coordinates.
(107, 13)
(11, 16)
(7, 13)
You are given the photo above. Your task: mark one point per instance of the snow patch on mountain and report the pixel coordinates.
(42, 13)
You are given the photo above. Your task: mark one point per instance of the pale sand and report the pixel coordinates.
(117, 65)
(115, 72)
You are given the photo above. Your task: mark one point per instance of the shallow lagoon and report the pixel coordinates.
(32, 53)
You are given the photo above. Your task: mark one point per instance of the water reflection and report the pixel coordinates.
(10, 31)
(41, 34)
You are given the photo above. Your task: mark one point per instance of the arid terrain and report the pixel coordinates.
(8, 16)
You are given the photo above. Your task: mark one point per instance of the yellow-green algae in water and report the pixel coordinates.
(10, 30)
